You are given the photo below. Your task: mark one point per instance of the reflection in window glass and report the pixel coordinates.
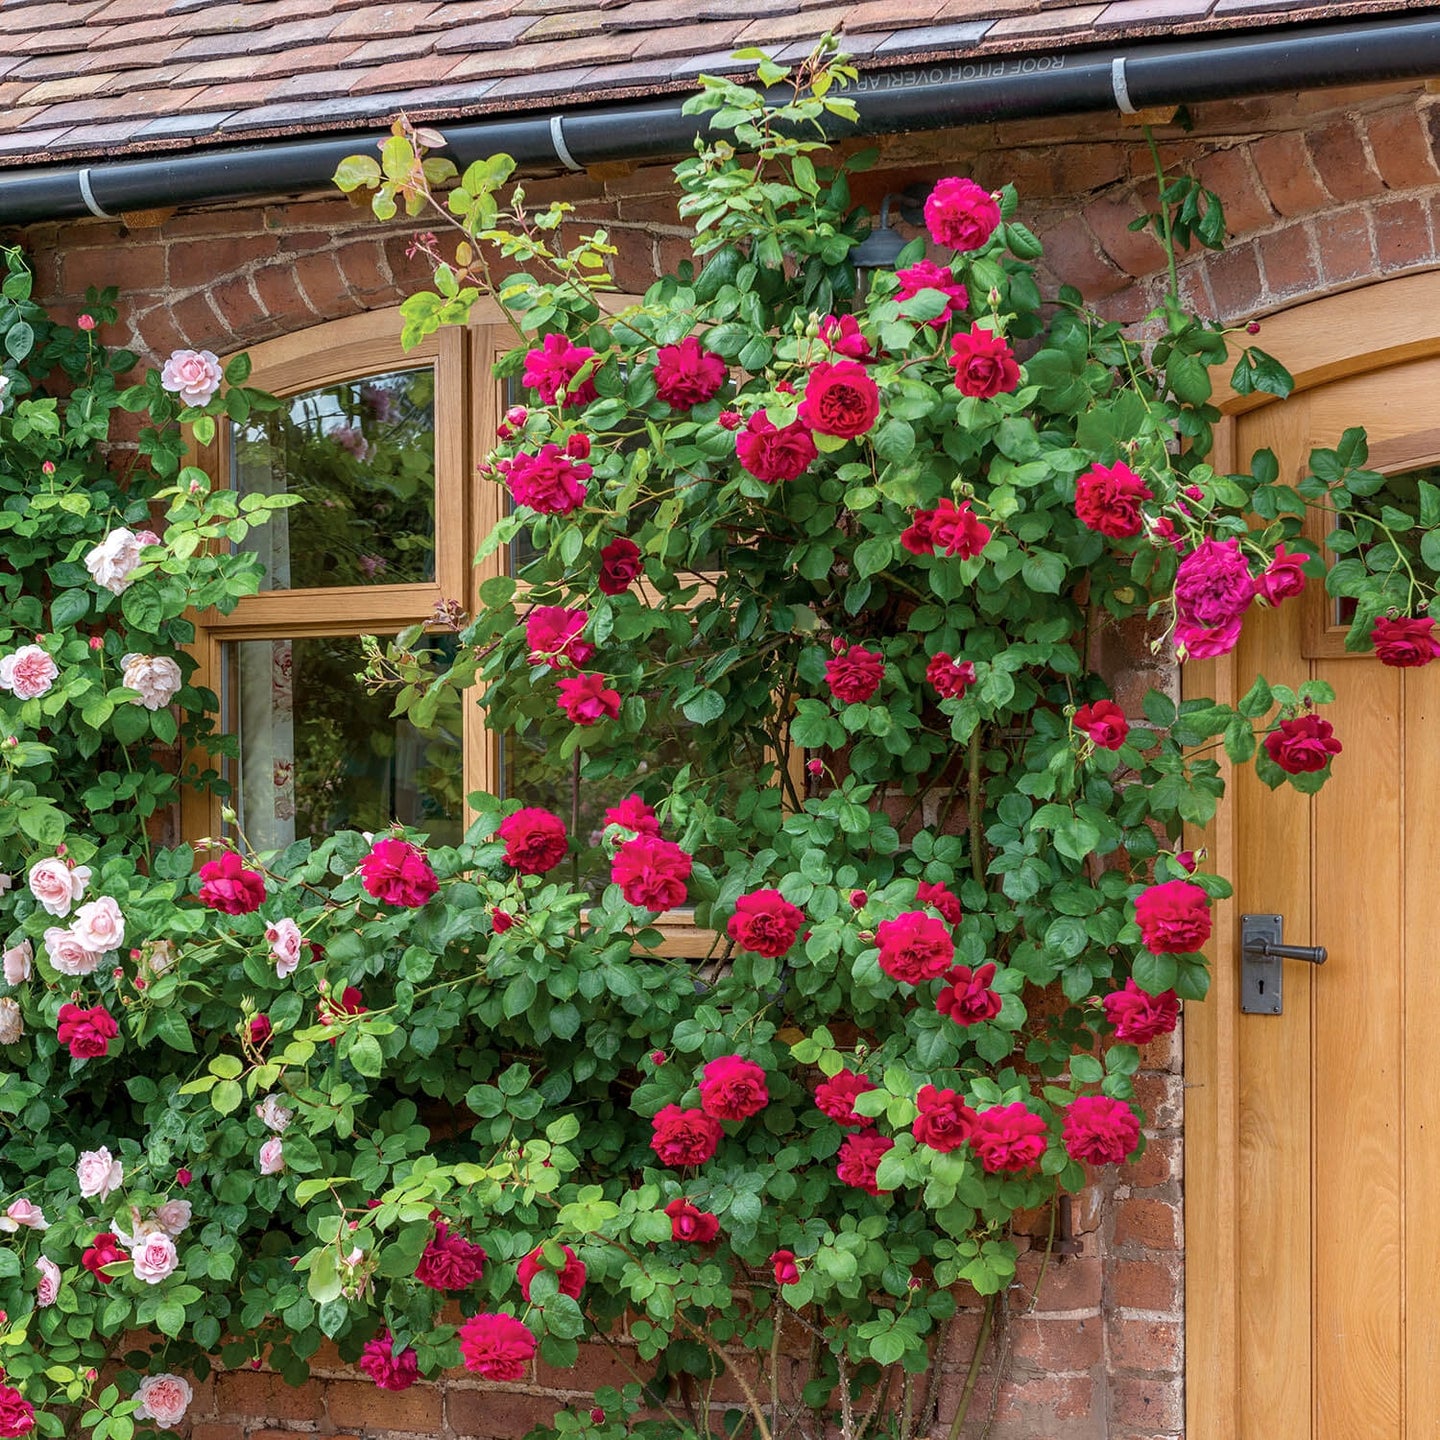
(1397, 505)
(362, 454)
(319, 754)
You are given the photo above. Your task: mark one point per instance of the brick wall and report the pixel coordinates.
(1323, 192)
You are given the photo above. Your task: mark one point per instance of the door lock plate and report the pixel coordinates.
(1261, 975)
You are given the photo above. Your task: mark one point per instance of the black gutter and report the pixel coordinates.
(950, 92)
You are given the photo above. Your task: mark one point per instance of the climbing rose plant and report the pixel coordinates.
(817, 576)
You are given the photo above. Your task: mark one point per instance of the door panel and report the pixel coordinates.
(1338, 1232)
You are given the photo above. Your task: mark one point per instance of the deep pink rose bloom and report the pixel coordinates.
(586, 699)
(500, 920)
(1213, 586)
(765, 922)
(193, 375)
(1137, 1017)
(535, 840)
(1404, 643)
(945, 1121)
(620, 563)
(927, 275)
(733, 1088)
(553, 634)
(1008, 1138)
(1100, 1130)
(1282, 577)
(967, 997)
(553, 366)
(651, 872)
(1174, 917)
(948, 529)
(914, 947)
(860, 1157)
(691, 1224)
(983, 363)
(942, 898)
(770, 454)
(836, 1098)
(784, 1268)
(17, 1414)
(687, 374)
(570, 1279)
(1303, 745)
(388, 1370)
(855, 675)
(950, 677)
(397, 873)
(1104, 722)
(450, 1262)
(226, 885)
(685, 1137)
(840, 399)
(577, 447)
(498, 1347)
(1196, 642)
(961, 214)
(1107, 499)
(634, 814)
(86, 1033)
(104, 1250)
(331, 1010)
(550, 482)
(260, 1030)
(842, 334)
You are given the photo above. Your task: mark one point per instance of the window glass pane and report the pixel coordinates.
(1397, 506)
(362, 455)
(319, 754)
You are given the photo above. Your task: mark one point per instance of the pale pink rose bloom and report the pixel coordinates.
(99, 925)
(164, 1399)
(99, 1173)
(147, 537)
(285, 945)
(154, 1257)
(173, 1216)
(7, 882)
(57, 884)
(159, 955)
(19, 962)
(23, 1212)
(156, 677)
(48, 1285)
(272, 1156)
(12, 1023)
(112, 560)
(68, 955)
(28, 673)
(193, 375)
(273, 1115)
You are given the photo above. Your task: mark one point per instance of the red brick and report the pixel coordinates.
(258, 1394)
(1287, 174)
(361, 1405)
(1071, 254)
(1151, 1224)
(197, 321)
(1068, 1282)
(1345, 249)
(1040, 1398)
(1400, 144)
(496, 1413)
(1160, 1097)
(275, 285)
(237, 306)
(1147, 1407)
(1289, 265)
(1341, 161)
(362, 264)
(324, 286)
(1235, 282)
(1402, 233)
(1135, 251)
(1058, 1344)
(1159, 1164)
(1148, 1345)
(1145, 1284)
(1230, 175)
(215, 1430)
(595, 1365)
(133, 267)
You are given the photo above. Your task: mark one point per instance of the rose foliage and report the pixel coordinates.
(820, 566)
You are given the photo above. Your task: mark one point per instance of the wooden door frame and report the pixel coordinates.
(1339, 336)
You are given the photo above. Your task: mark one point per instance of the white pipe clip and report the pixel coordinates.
(557, 139)
(1120, 89)
(88, 196)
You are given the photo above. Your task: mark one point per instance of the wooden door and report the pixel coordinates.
(1329, 1217)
